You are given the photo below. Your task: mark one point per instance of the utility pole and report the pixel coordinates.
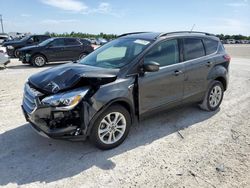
(1, 20)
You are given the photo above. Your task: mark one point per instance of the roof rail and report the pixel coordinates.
(177, 32)
(125, 34)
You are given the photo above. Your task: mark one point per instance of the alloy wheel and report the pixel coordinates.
(112, 128)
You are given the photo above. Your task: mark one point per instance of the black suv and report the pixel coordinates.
(130, 77)
(55, 49)
(13, 46)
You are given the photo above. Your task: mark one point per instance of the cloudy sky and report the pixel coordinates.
(120, 16)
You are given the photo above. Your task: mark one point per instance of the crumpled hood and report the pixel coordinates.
(71, 75)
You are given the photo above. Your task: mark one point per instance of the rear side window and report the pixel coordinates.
(85, 42)
(71, 42)
(210, 45)
(57, 42)
(165, 53)
(193, 48)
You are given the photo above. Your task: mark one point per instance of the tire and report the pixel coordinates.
(16, 53)
(38, 60)
(104, 133)
(213, 97)
(82, 55)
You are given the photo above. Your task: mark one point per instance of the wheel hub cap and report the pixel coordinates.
(215, 96)
(112, 128)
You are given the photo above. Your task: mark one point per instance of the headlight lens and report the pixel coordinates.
(67, 100)
(10, 47)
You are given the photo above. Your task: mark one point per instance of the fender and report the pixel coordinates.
(217, 72)
(120, 91)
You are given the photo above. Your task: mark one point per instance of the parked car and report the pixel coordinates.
(101, 41)
(4, 58)
(230, 41)
(3, 38)
(55, 49)
(93, 40)
(129, 78)
(15, 45)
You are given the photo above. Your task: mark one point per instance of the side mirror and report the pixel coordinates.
(151, 66)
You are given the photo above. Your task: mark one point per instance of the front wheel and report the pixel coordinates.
(38, 60)
(111, 128)
(16, 53)
(213, 97)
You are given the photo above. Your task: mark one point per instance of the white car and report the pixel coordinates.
(3, 37)
(4, 58)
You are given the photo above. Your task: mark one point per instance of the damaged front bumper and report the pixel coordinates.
(49, 121)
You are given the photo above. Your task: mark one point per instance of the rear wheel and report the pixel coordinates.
(213, 97)
(111, 127)
(82, 55)
(38, 60)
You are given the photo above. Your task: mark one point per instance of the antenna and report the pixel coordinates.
(192, 27)
(1, 20)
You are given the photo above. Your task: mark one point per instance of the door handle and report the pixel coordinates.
(209, 64)
(177, 72)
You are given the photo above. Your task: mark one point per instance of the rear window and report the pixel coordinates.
(211, 46)
(72, 42)
(193, 48)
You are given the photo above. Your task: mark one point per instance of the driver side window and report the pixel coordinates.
(164, 53)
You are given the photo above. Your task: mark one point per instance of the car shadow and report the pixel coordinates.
(26, 157)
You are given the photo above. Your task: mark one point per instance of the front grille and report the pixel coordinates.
(29, 98)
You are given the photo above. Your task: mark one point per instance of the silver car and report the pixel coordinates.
(4, 58)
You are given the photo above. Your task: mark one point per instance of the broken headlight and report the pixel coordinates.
(67, 100)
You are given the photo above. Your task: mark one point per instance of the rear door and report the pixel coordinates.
(164, 87)
(73, 49)
(198, 63)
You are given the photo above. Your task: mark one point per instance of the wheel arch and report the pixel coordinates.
(39, 53)
(220, 74)
(118, 101)
(223, 81)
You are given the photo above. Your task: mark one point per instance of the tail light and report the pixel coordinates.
(227, 57)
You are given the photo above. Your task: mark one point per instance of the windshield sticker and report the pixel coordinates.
(143, 42)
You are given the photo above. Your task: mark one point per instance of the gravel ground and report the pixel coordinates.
(185, 147)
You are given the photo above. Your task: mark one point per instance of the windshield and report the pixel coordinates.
(116, 53)
(25, 38)
(44, 43)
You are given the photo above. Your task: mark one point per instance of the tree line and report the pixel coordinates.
(236, 37)
(82, 35)
(112, 36)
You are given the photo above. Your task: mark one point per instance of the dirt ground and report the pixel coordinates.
(185, 147)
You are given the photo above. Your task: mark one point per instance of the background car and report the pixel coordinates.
(55, 49)
(15, 45)
(101, 41)
(4, 58)
(3, 37)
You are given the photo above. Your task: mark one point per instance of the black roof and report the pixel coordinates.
(155, 35)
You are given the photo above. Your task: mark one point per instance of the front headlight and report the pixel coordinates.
(10, 47)
(67, 100)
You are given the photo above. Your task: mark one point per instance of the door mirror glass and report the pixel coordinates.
(151, 66)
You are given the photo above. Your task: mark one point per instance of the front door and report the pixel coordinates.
(164, 87)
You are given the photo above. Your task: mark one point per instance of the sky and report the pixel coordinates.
(121, 16)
